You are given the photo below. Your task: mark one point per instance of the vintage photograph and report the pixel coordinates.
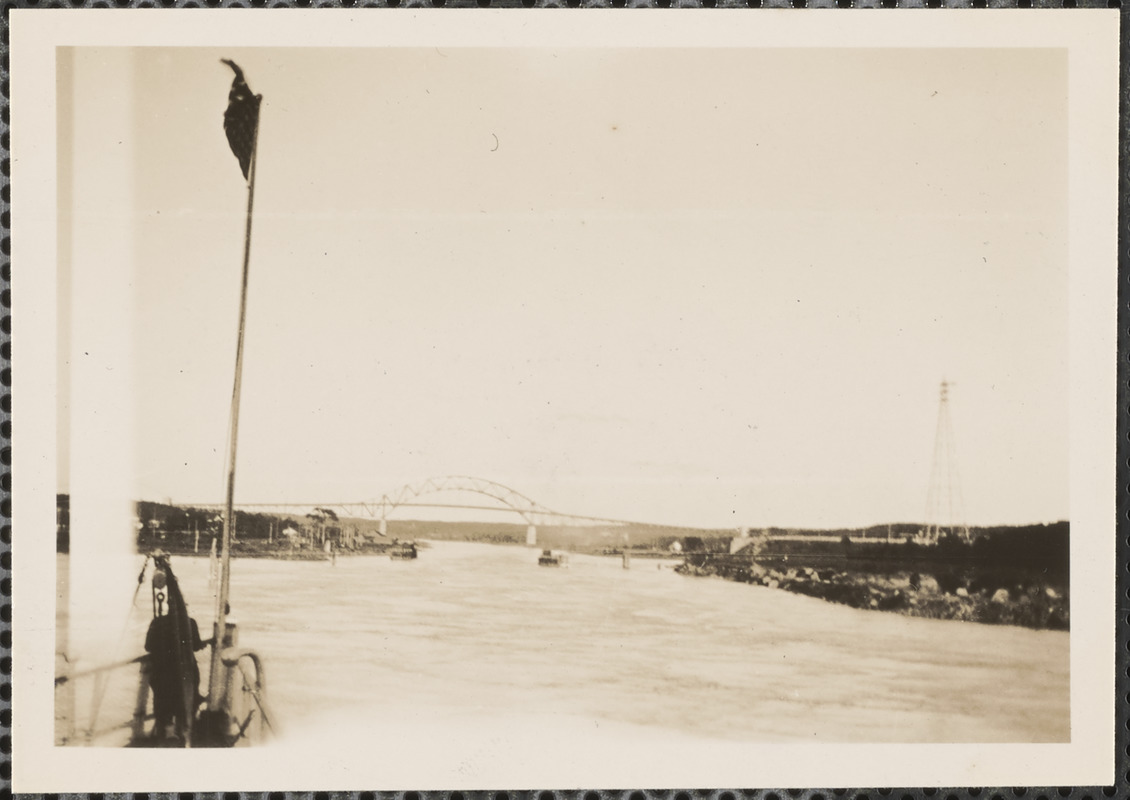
(564, 404)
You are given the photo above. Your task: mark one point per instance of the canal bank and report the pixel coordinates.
(1019, 582)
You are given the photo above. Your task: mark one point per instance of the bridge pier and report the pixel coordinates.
(531, 535)
(383, 528)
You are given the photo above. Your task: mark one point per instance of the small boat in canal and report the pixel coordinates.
(403, 551)
(550, 559)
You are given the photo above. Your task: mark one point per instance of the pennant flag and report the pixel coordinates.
(241, 118)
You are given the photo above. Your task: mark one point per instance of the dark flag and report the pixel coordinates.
(241, 118)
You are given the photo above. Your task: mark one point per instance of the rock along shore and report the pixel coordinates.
(1031, 604)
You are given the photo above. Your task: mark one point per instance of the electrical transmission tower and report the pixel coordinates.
(945, 512)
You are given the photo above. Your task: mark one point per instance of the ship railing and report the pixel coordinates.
(246, 701)
(66, 704)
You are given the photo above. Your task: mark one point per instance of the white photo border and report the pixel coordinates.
(1091, 37)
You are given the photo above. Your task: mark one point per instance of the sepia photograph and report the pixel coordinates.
(472, 409)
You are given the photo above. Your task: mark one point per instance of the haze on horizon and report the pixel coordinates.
(613, 280)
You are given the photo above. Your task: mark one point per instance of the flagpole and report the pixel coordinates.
(215, 687)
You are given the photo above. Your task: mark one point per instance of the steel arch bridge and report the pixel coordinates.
(510, 498)
(411, 496)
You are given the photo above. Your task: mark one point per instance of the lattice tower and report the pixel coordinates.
(945, 508)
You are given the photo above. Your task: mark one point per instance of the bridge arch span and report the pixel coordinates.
(509, 498)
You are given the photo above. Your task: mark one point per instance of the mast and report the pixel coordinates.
(239, 108)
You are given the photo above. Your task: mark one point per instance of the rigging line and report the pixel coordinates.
(242, 732)
(101, 681)
(223, 482)
(213, 576)
(249, 686)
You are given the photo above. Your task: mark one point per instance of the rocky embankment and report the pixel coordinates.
(1032, 604)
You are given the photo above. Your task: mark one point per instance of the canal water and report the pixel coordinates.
(471, 633)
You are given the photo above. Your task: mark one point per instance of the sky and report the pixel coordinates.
(714, 287)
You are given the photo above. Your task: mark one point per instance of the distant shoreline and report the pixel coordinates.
(269, 550)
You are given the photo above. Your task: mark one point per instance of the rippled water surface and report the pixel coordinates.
(473, 631)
